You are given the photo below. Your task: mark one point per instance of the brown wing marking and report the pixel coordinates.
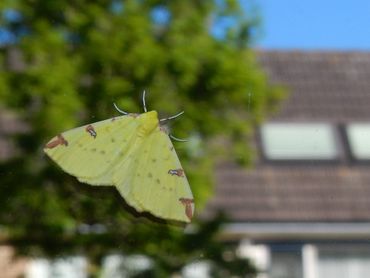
(58, 141)
(188, 209)
(90, 129)
(177, 172)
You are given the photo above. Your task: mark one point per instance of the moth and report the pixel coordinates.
(134, 153)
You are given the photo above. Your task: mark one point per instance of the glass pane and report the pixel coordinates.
(344, 263)
(286, 264)
(359, 140)
(298, 141)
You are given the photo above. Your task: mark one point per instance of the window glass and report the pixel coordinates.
(286, 264)
(359, 140)
(344, 263)
(299, 141)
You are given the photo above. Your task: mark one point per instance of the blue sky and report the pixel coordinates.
(297, 24)
(314, 24)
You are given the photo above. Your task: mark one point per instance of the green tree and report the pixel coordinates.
(70, 60)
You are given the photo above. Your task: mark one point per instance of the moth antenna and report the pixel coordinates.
(172, 117)
(144, 104)
(177, 139)
(119, 110)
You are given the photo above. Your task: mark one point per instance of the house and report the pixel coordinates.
(303, 210)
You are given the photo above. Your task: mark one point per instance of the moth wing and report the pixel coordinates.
(123, 172)
(89, 152)
(158, 184)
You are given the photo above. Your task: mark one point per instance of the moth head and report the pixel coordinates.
(151, 117)
(165, 129)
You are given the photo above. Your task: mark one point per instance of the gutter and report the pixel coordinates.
(297, 231)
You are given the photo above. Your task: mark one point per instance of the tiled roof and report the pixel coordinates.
(324, 87)
(331, 86)
(319, 193)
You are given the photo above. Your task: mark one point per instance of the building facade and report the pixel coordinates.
(303, 210)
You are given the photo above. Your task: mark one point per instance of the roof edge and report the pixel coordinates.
(297, 231)
(308, 51)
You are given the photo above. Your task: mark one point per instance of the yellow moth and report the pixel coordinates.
(133, 153)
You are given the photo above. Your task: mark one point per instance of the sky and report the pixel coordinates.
(295, 24)
(314, 24)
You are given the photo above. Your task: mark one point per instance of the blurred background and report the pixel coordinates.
(277, 119)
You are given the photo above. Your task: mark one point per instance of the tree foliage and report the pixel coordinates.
(70, 60)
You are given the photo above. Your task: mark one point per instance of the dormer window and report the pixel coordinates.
(358, 135)
(299, 141)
